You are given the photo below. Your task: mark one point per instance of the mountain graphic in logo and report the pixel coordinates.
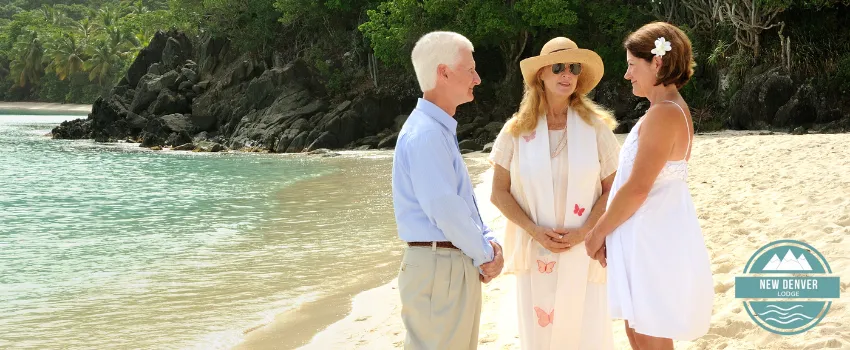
(789, 263)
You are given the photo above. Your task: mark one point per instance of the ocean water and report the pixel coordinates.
(110, 246)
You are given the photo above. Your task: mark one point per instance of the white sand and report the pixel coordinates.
(749, 190)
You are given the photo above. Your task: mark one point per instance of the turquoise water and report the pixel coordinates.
(113, 246)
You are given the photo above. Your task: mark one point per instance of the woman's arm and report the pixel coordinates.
(655, 142)
(502, 198)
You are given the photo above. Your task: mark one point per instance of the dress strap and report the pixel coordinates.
(687, 128)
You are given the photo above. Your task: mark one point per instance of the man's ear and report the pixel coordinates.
(442, 71)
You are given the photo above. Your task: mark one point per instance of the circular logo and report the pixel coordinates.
(787, 287)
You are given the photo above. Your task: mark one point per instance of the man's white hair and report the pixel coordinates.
(434, 49)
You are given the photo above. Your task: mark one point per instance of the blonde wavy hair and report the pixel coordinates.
(534, 105)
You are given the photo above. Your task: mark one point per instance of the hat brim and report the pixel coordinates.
(592, 68)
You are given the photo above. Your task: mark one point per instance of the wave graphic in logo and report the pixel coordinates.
(780, 317)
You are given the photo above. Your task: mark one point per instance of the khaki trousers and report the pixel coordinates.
(440, 299)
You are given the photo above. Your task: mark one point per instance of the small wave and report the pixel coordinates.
(784, 315)
(789, 309)
(797, 314)
(783, 322)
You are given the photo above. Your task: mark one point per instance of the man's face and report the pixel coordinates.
(462, 78)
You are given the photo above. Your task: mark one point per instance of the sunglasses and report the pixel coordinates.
(559, 68)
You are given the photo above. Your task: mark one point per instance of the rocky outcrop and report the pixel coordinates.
(167, 99)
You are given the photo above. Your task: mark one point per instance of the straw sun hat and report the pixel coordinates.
(563, 50)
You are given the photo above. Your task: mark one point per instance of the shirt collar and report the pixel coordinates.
(437, 114)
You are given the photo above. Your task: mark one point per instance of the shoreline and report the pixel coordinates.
(374, 322)
(299, 327)
(742, 203)
(44, 108)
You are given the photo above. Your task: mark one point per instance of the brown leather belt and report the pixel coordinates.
(428, 244)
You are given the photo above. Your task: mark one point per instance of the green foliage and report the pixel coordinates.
(842, 74)
(70, 51)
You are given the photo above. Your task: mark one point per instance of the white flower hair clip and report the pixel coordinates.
(661, 47)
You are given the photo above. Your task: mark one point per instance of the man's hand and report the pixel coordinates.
(494, 267)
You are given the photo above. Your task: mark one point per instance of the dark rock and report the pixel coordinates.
(168, 103)
(488, 147)
(147, 57)
(135, 121)
(759, 99)
(625, 126)
(799, 131)
(206, 146)
(829, 116)
(286, 139)
(72, 129)
(363, 148)
(297, 144)
(155, 69)
(389, 141)
(156, 148)
(184, 147)
(185, 86)
(371, 141)
(150, 88)
(398, 122)
(177, 123)
(176, 51)
(178, 138)
(150, 139)
(204, 123)
(800, 109)
(470, 144)
(494, 128)
(325, 140)
(189, 75)
(466, 130)
(465, 151)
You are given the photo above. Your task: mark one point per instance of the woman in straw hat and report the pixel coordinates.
(659, 274)
(554, 163)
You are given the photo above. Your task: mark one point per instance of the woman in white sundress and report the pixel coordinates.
(659, 274)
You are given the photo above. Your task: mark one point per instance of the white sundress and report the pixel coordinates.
(659, 273)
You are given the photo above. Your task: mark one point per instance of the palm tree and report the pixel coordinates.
(55, 17)
(107, 17)
(85, 28)
(27, 65)
(65, 56)
(103, 58)
(138, 8)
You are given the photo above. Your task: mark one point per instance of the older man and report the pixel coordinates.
(450, 250)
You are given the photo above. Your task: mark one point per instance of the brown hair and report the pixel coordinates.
(534, 105)
(677, 64)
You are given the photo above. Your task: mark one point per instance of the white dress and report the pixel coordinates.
(659, 274)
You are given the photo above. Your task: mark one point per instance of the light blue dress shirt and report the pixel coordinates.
(433, 196)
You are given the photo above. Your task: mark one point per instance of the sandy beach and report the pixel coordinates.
(750, 188)
(44, 108)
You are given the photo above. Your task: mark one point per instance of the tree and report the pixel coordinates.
(104, 56)
(27, 65)
(65, 56)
